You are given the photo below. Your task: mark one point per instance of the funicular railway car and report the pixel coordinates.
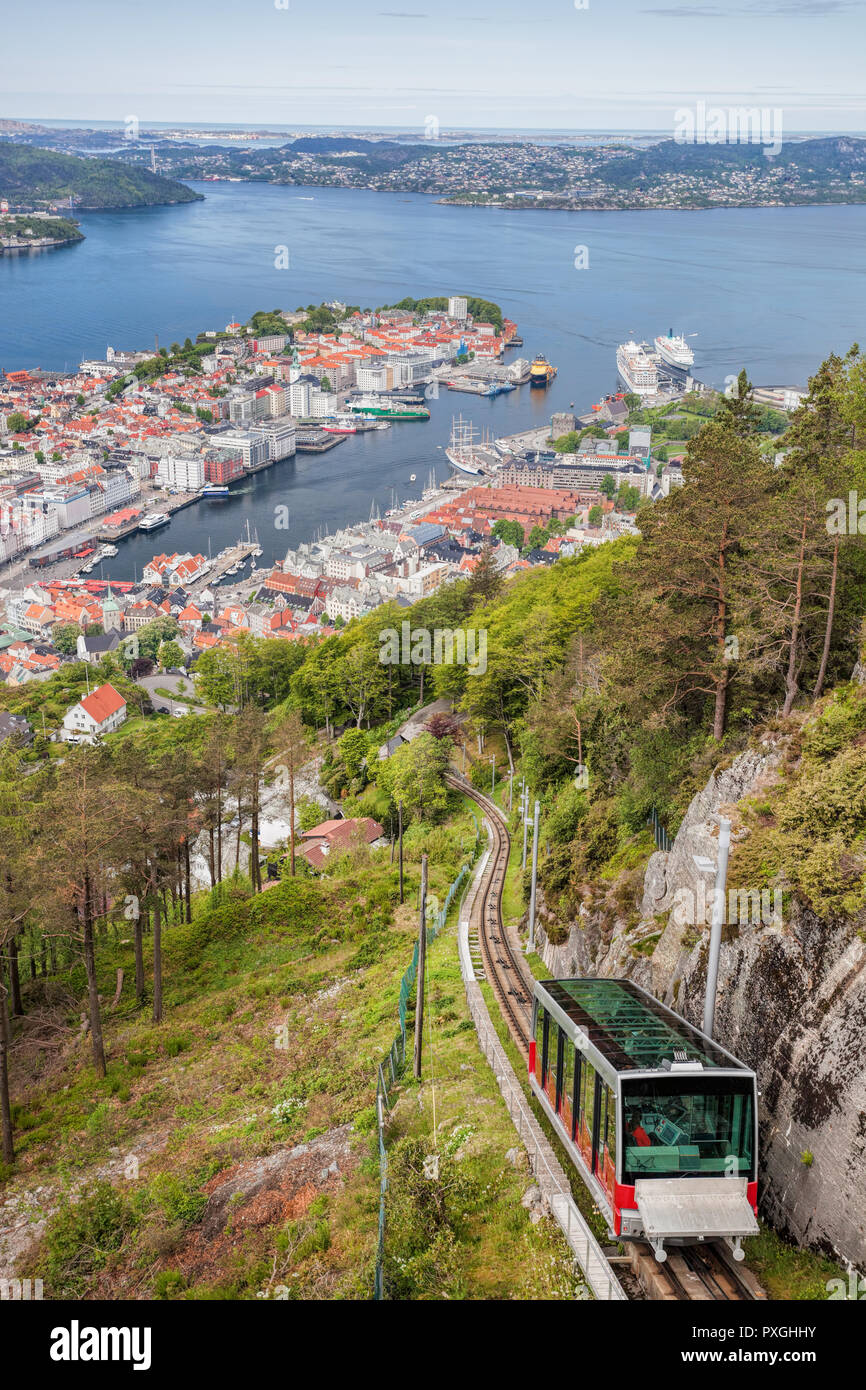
(660, 1121)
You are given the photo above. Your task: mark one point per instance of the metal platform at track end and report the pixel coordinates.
(714, 1208)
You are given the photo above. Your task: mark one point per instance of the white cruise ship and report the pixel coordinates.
(674, 351)
(637, 368)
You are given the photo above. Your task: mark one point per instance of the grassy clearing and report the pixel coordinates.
(278, 1009)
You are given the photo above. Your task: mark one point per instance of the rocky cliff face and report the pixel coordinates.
(791, 1003)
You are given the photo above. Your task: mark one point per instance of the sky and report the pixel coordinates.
(513, 64)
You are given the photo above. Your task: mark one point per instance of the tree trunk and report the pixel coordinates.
(15, 979)
(720, 712)
(792, 687)
(255, 868)
(138, 940)
(92, 990)
(5, 1106)
(211, 860)
(157, 959)
(292, 816)
(828, 632)
(187, 879)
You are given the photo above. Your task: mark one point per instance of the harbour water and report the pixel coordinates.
(771, 289)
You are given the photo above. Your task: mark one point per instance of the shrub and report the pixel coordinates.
(180, 1199)
(82, 1237)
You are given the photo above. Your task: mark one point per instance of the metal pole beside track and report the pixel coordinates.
(531, 943)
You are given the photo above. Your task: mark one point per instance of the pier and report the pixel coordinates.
(316, 441)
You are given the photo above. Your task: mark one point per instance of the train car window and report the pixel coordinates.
(688, 1126)
(587, 1112)
(611, 1128)
(566, 1094)
(607, 1160)
(598, 1136)
(578, 1078)
(540, 1030)
(560, 1060)
(550, 1059)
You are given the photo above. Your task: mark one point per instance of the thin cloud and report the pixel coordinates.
(769, 9)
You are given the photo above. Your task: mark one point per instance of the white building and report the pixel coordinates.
(279, 436)
(93, 717)
(458, 307)
(183, 472)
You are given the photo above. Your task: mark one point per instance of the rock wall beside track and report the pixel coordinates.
(791, 1003)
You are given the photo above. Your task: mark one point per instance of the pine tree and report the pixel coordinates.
(737, 410)
(669, 631)
(485, 582)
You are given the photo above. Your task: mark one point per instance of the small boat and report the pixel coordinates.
(412, 477)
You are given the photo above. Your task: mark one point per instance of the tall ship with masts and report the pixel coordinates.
(469, 455)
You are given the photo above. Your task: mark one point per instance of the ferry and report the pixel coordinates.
(154, 521)
(541, 373)
(380, 407)
(215, 490)
(637, 368)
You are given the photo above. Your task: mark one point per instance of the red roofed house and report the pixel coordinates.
(317, 844)
(190, 619)
(94, 716)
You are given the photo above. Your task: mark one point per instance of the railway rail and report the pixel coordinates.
(691, 1273)
(502, 967)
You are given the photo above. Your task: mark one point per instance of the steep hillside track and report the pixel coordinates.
(691, 1273)
(508, 976)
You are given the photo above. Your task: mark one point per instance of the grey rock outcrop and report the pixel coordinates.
(791, 1003)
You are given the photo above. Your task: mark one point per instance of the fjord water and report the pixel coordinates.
(771, 289)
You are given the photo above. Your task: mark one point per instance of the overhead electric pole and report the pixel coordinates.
(422, 961)
(400, 833)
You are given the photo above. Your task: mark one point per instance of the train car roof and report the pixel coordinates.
(630, 1029)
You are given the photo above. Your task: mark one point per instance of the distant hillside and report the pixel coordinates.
(37, 176)
(839, 156)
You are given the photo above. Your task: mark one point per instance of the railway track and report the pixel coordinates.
(691, 1273)
(488, 940)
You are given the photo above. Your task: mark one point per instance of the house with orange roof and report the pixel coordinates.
(190, 619)
(335, 835)
(95, 716)
(39, 620)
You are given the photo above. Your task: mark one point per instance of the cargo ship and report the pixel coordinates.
(380, 407)
(541, 373)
